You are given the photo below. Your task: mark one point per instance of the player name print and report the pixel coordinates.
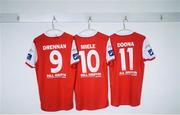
(51, 47)
(125, 44)
(88, 46)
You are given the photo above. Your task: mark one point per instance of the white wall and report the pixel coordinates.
(0, 69)
(161, 89)
(46, 7)
(0, 63)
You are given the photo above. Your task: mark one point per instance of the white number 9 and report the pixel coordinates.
(57, 61)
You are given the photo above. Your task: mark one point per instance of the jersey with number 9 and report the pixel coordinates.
(54, 59)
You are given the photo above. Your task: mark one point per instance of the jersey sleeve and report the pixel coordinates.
(74, 53)
(109, 52)
(147, 51)
(31, 56)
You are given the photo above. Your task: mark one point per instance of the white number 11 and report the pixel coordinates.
(123, 60)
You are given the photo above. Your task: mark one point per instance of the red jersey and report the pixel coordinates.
(126, 74)
(91, 88)
(53, 58)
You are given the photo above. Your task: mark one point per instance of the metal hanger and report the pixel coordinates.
(54, 19)
(53, 31)
(124, 31)
(89, 31)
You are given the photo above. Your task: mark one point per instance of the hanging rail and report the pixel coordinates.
(96, 17)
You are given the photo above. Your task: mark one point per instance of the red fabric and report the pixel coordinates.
(92, 91)
(55, 93)
(126, 89)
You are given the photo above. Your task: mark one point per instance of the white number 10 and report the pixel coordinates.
(89, 65)
(123, 60)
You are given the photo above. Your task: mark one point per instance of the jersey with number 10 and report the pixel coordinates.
(126, 74)
(53, 59)
(91, 79)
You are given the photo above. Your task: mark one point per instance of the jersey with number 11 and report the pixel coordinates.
(126, 74)
(53, 59)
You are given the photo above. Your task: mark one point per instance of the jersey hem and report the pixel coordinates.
(149, 59)
(89, 109)
(54, 110)
(29, 65)
(132, 105)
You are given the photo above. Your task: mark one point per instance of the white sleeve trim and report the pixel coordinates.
(74, 53)
(147, 51)
(31, 58)
(109, 51)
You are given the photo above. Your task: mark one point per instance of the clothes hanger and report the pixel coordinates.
(124, 31)
(89, 31)
(54, 32)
